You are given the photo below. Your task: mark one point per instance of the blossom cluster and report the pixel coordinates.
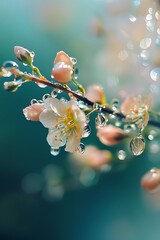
(67, 119)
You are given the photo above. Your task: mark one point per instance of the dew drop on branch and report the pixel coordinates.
(101, 120)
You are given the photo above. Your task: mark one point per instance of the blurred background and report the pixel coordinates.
(42, 197)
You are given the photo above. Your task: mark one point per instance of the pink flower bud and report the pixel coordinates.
(151, 180)
(95, 94)
(23, 55)
(110, 135)
(63, 57)
(62, 72)
(33, 111)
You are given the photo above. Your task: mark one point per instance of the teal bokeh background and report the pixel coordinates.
(116, 207)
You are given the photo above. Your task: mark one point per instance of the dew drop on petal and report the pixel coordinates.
(55, 151)
(86, 131)
(81, 148)
(74, 60)
(155, 74)
(45, 96)
(137, 145)
(101, 120)
(33, 101)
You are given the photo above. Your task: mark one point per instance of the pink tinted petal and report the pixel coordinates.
(72, 144)
(48, 119)
(63, 57)
(55, 105)
(110, 135)
(33, 111)
(62, 72)
(151, 180)
(95, 94)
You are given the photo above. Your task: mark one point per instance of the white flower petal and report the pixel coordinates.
(55, 105)
(55, 139)
(73, 143)
(48, 119)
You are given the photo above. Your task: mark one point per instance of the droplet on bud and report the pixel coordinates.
(74, 60)
(86, 131)
(76, 72)
(137, 145)
(55, 151)
(101, 120)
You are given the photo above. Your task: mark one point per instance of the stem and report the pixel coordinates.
(105, 108)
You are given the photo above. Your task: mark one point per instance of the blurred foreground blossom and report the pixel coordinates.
(151, 180)
(93, 157)
(95, 93)
(111, 135)
(135, 108)
(65, 122)
(33, 111)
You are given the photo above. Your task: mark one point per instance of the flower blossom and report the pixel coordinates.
(93, 157)
(63, 68)
(151, 180)
(135, 108)
(33, 111)
(23, 55)
(95, 93)
(65, 122)
(110, 135)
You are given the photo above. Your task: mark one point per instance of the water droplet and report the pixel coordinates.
(41, 85)
(136, 3)
(64, 100)
(81, 148)
(86, 131)
(39, 101)
(155, 74)
(45, 96)
(82, 105)
(158, 41)
(76, 72)
(55, 151)
(54, 93)
(129, 127)
(33, 101)
(101, 120)
(11, 86)
(74, 60)
(10, 64)
(121, 155)
(145, 43)
(115, 104)
(132, 18)
(137, 145)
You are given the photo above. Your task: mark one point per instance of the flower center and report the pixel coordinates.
(69, 120)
